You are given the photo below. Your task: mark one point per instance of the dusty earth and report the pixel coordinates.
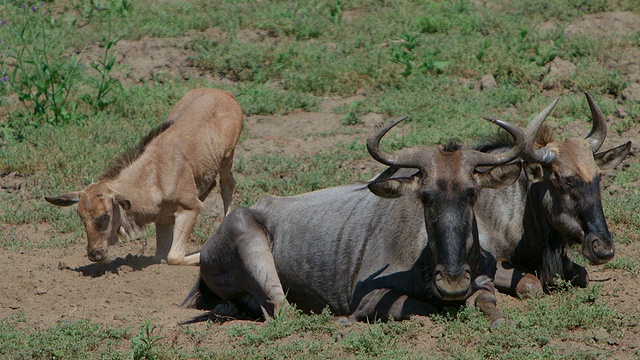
(52, 285)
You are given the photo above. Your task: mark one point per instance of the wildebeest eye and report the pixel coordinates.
(102, 222)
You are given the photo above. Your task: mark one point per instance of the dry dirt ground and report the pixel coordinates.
(52, 285)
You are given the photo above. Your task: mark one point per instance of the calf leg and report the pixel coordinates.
(227, 182)
(384, 304)
(185, 221)
(206, 193)
(164, 238)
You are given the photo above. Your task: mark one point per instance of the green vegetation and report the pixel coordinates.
(64, 113)
(534, 331)
(63, 341)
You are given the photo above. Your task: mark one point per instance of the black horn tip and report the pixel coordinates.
(490, 119)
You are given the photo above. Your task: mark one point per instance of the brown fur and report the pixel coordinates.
(544, 137)
(165, 178)
(126, 158)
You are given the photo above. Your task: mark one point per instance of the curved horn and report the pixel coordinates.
(530, 153)
(478, 158)
(373, 146)
(599, 128)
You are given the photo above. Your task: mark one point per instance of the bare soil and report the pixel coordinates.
(53, 285)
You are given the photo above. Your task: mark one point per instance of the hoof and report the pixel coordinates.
(498, 323)
(344, 320)
(529, 286)
(581, 279)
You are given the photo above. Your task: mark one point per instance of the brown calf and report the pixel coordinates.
(164, 179)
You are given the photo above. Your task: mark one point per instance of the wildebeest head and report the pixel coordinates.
(447, 184)
(567, 174)
(100, 210)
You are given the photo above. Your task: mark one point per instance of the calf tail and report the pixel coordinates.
(201, 297)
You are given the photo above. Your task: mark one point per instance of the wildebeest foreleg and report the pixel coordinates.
(385, 304)
(513, 281)
(185, 221)
(575, 273)
(485, 300)
(227, 182)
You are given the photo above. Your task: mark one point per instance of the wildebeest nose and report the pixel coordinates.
(453, 287)
(97, 255)
(602, 250)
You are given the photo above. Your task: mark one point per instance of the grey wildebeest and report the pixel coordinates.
(391, 248)
(530, 225)
(164, 179)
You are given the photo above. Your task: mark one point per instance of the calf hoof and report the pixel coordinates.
(529, 286)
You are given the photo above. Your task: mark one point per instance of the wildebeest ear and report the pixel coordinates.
(499, 176)
(396, 187)
(122, 202)
(611, 158)
(536, 172)
(64, 200)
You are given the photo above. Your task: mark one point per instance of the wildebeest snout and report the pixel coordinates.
(452, 287)
(97, 255)
(598, 249)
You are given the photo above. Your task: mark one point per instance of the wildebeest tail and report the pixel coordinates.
(201, 297)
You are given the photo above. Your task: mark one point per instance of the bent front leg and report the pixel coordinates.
(385, 304)
(575, 273)
(185, 221)
(484, 298)
(510, 280)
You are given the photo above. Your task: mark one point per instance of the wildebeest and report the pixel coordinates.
(555, 203)
(391, 248)
(164, 179)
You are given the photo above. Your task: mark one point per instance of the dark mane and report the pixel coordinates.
(451, 146)
(127, 158)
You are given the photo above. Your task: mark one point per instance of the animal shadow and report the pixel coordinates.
(135, 262)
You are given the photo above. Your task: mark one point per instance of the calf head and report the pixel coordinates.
(446, 184)
(566, 177)
(100, 210)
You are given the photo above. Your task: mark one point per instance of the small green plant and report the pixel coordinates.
(433, 24)
(105, 83)
(483, 49)
(142, 346)
(43, 73)
(379, 339)
(352, 117)
(623, 263)
(335, 12)
(402, 52)
(432, 64)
